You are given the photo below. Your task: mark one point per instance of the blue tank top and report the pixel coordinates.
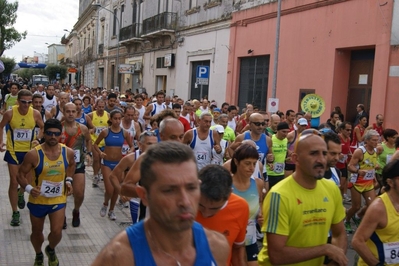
(261, 146)
(82, 119)
(86, 110)
(114, 139)
(142, 253)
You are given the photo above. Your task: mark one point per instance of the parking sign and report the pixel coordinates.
(202, 75)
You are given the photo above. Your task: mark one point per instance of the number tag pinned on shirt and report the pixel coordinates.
(391, 251)
(51, 189)
(22, 134)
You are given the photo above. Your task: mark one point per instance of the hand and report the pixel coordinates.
(260, 219)
(377, 167)
(35, 143)
(337, 255)
(2, 145)
(217, 148)
(102, 155)
(35, 192)
(271, 166)
(362, 173)
(124, 199)
(69, 189)
(270, 157)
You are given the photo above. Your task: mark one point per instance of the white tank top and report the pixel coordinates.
(49, 104)
(132, 132)
(141, 116)
(232, 124)
(157, 108)
(219, 158)
(202, 148)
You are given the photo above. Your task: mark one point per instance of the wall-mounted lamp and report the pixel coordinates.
(250, 51)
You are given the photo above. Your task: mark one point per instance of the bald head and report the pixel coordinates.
(171, 129)
(255, 117)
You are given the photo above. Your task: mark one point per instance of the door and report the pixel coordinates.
(199, 91)
(360, 81)
(161, 83)
(254, 78)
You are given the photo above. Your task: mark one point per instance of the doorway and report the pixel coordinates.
(199, 91)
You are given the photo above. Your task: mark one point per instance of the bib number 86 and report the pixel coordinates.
(394, 254)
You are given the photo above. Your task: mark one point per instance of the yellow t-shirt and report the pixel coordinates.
(50, 176)
(100, 123)
(381, 237)
(21, 132)
(303, 215)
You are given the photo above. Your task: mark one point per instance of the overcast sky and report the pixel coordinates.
(45, 21)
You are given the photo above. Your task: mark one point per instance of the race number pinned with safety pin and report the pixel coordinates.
(51, 189)
(22, 134)
(391, 252)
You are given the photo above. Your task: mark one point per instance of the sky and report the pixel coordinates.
(45, 21)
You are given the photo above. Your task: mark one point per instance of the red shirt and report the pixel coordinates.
(379, 129)
(185, 123)
(341, 164)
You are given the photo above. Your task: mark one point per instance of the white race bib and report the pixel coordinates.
(278, 168)
(250, 237)
(22, 134)
(201, 156)
(125, 149)
(391, 251)
(343, 160)
(98, 130)
(389, 157)
(369, 175)
(51, 189)
(77, 156)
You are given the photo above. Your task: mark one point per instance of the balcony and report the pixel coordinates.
(131, 33)
(100, 49)
(160, 24)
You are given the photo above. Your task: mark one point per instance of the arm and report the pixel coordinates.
(47, 115)
(239, 255)
(90, 125)
(30, 160)
(269, 155)
(87, 136)
(117, 252)
(128, 139)
(188, 136)
(216, 140)
(373, 219)
(148, 110)
(356, 158)
(70, 171)
(236, 143)
(357, 135)
(219, 246)
(239, 127)
(117, 174)
(39, 122)
(260, 185)
(53, 111)
(6, 119)
(339, 238)
(128, 187)
(138, 130)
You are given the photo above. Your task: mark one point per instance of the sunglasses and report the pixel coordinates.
(51, 133)
(259, 124)
(306, 133)
(149, 134)
(25, 102)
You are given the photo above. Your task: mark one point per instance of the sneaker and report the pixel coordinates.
(126, 204)
(95, 181)
(348, 228)
(15, 221)
(103, 210)
(39, 260)
(101, 177)
(75, 218)
(111, 215)
(21, 200)
(52, 257)
(356, 220)
(65, 224)
(347, 198)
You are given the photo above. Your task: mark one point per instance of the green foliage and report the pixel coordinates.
(52, 70)
(9, 64)
(29, 72)
(9, 36)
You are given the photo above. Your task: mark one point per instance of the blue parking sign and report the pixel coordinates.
(202, 75)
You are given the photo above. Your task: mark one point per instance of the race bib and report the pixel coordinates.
(98, 130)
(77, 156)
(353, 178)
(51, 189)
(343, 160)
(278, 168)
(125, 149)
(201, 156)
(22, 134)
(391, 251)
(369, 175)
(389, 157)
(250, 237)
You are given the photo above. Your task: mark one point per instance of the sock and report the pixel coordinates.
(49, 250)
(39, 254)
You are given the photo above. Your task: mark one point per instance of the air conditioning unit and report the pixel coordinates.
(138, 66)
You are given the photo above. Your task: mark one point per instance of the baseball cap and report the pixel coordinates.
(217, 110)
(123, 104)
(122, 96)
(302, 122)
(214, 104)
(219, 128)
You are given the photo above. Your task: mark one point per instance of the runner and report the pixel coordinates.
(275, 170)
(133, 128)
(20, 120)
(11, 99)
(358, 134)
(86, 107)
(77, 137)
(82, 117)
(50, 100)
(292, 138)
(385, 152)
(170, 188)
(53, 165)
(344, 129)
(114, 137)
(56, 111)
(37, 101)
(155, 107)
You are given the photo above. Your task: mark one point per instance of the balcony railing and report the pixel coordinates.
(163, 21)
(130, 32)
(101, 48)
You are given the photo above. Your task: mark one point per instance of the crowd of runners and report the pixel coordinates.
(204, 181)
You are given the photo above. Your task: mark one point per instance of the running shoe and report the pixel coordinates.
(347, 198)
(103, 210)
(348, 228)
(21, 200)
(356, 220)
(65, 224)
(15, 221)
(96, 179)
(101, 177)
(39, 260)
(111, 215)
(75, 218)
(52, 257)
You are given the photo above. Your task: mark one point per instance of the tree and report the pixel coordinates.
(9, 64)
(52, 70)
(9, 36)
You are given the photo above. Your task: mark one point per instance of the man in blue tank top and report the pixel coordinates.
(170, 189)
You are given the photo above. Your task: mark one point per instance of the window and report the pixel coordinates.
(114, 26)
(160, 62)
(121, 17)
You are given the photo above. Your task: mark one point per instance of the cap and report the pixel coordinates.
(124, 104)
(302, 122)
(219, 128)
(217, 110)
(122, 96)
(283, 125)
(214, 104)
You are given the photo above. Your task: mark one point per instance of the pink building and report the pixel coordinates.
(346, 51)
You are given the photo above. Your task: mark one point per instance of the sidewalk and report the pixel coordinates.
(79, 246)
